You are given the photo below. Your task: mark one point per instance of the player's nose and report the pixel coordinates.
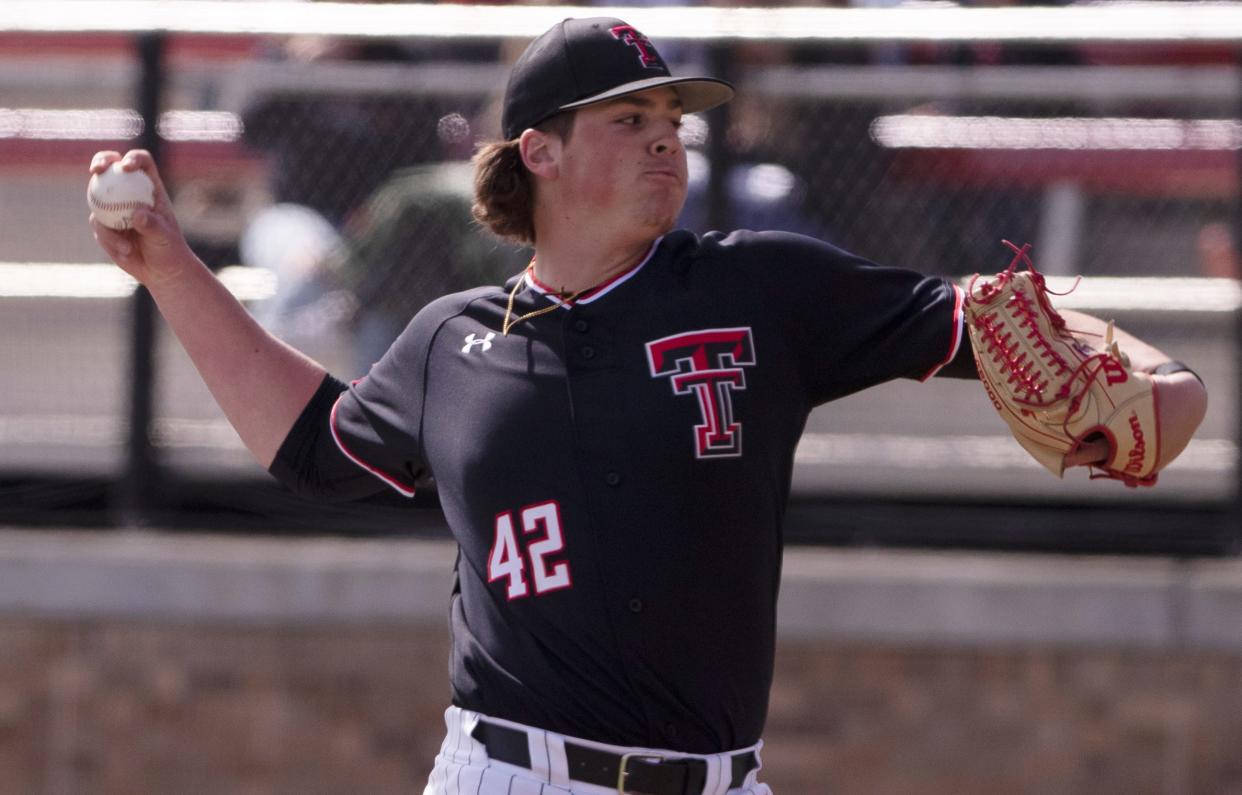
(668, 141)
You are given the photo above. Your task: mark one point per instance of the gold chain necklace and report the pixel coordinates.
(510, 321)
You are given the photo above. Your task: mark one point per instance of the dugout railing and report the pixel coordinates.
(1106, 134)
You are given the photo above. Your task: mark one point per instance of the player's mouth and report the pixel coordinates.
(663, 174)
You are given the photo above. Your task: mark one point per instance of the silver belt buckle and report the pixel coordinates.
(625, 761)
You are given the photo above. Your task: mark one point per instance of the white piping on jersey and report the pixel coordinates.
(959, 329)
(398, 486)
(596, 292)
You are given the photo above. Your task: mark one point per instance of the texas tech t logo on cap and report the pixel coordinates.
(647, 54)
(707, 364)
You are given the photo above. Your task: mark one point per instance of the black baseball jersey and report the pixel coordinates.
(616, 471)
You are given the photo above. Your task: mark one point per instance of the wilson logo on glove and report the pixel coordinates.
(1139, 451)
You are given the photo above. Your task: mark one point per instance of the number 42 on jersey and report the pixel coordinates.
(541, 531)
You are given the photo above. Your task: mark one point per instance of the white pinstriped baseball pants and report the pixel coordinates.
(463, 767)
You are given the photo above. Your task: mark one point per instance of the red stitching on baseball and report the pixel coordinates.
(130, 205)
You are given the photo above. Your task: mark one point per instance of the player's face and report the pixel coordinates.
(625, 164)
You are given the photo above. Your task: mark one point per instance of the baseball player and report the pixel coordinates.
(611, 432)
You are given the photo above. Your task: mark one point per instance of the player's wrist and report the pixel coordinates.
(1182, 409)
(1173, 366)
(175, 273)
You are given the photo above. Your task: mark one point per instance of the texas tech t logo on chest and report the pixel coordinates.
(707, 364)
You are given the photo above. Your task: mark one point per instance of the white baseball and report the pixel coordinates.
(113, 195)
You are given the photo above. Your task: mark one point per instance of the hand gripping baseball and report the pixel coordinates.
(1056, 391)
(153, 248)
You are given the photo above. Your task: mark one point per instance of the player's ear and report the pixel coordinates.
(541, 152)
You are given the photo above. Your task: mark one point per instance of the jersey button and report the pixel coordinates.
(588, 352)
(635, 605)
(581, 326)
(613, 478)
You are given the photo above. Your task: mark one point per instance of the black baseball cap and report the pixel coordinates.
(583, 61)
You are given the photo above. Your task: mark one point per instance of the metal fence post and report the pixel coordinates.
(719, 154)
(137, 488)
(1234, 544)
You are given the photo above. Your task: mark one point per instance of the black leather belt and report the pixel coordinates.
(633, 774)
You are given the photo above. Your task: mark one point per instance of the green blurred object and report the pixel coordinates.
(415, 240)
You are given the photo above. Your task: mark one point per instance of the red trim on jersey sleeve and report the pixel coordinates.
(959, 321)
(401, 488)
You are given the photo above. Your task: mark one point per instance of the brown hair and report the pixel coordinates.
(504, 194)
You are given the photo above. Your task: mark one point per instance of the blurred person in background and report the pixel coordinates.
(330, 150)
(334, 160)
(411, 242)
(1218, 253)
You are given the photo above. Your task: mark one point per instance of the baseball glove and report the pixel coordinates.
(1055, 390)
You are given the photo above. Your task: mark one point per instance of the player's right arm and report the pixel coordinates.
(260, 383)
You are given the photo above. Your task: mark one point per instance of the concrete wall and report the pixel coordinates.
(134, 663)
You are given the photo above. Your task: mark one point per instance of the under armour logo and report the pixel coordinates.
(486, 342)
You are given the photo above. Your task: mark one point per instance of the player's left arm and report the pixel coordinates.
(1182, 396)
(1182, 402)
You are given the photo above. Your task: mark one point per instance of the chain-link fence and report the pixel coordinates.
(326, 178)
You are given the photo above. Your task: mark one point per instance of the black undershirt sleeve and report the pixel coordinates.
(962, 365)
(309, 461)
